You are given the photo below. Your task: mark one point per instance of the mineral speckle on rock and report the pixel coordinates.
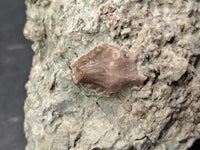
(163, 114)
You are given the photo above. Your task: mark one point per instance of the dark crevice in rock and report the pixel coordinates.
(186, 139)
(53, 86)
(194, 60)
(148, 144)
(185, 79)
(131, 148)
(166, 127)
(77, 139)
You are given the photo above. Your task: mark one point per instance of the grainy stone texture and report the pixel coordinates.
(164, 114)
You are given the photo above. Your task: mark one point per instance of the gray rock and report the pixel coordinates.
(163, 114)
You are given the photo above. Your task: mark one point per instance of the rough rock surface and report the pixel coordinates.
(164, 114)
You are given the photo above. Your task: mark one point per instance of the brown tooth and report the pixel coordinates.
(110, 78)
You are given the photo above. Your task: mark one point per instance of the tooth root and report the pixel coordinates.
(106, 92)
(99, 89)
(91, 86)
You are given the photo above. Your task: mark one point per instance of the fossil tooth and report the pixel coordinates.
(107, 69)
